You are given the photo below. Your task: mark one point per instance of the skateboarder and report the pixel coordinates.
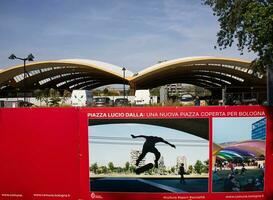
(149, 146)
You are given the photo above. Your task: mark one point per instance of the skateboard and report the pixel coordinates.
(144, 168)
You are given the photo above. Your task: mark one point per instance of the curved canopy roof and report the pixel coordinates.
(207, 72)
(253, 149)
(102, 65)
(63, 74)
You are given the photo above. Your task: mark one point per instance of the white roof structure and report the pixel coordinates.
(204, 71)
(102, 65)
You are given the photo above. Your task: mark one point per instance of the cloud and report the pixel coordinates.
(134, 34)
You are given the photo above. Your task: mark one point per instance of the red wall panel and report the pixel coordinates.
(44, 153)
(39, 153)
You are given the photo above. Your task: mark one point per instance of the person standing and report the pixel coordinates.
(182, 172)
(197, 101)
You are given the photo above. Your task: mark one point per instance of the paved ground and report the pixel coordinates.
(148, 185)
(218, 186)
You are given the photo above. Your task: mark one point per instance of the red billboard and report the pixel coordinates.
(136, 153)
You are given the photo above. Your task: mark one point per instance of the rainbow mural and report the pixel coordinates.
(241, 151)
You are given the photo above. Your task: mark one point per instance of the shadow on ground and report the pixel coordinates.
(148, 185)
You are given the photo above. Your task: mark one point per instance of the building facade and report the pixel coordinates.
(174, 89)
(259, 130)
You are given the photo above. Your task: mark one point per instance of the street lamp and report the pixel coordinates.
(30, 57)
(123, 69)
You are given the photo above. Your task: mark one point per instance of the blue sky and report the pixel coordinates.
(233, 129)
(134, 34)
(120, 154)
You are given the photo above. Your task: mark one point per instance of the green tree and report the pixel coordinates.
(250, 23)
(172, 169)
(94, 168)
(66, 95)
(113, 92)
(132, 169)
(104, 169)
(127, 166)
(38, 94)
(54, 97)
(111, 166)
(45, 96)
(205, 168)
(105, 91)
(96, 92)
(190, 170)
(155, 91)
(198, 167)
(119, 169)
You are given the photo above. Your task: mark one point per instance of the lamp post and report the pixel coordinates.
(30, 57)
(252, 94)
(123, 69)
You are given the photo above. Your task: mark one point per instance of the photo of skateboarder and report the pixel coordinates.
(125, 156)
(149, 146)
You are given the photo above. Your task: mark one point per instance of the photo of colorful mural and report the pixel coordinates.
(238, 154)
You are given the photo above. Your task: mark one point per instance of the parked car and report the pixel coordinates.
(121, 102)
(102, 102)
(15, 104)
(187, 100)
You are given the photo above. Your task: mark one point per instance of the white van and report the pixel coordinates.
(142, 97)
(80, 98)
